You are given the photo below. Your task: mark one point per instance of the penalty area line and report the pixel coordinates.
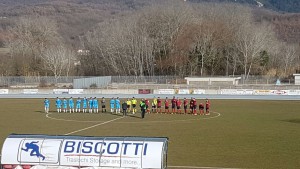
(94, 126)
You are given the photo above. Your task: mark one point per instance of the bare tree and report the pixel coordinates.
(57, 59)
(251, 40)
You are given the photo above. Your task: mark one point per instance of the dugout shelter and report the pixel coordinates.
(74, 152)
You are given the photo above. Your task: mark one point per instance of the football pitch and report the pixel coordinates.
(237, 134)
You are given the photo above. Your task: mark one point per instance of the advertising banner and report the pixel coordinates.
(183, 91)
(262, 92)
(237, 91)
(118, 152)
(3, 91)
(75, 91)
(30, 91)
(279, 92)
(199, 91)
(294, 92)
(166, 91)
(144, 91)
(60, 91)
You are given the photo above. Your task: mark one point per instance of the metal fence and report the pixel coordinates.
(130, 82)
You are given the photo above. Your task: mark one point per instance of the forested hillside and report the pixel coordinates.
(146, 37)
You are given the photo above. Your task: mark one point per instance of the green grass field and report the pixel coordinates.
(246, 134)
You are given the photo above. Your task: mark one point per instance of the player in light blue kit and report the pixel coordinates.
(84, 105)
(78, 105)
(65, 105)
(46, 105)
(91, 105)
(95, 105)
(58, 105)
(118, 105)
(71, 105)
(112, 105)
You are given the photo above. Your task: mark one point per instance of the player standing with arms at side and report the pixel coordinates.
(195, 106)
(65, 105)
(58, 105)
(78, 105)
(112, 105)
(133, 103)
(173, 102)
(118, 105)
(191, 105)
(185, 105)
(143, 108)
(84, 105)
(158, 105)
(147, 103)
(178, 105)
(128, 102)
(46, 105)
(71, 105)
(103, 102)
(207, 107)
(95, 105)
(91, 105)
(201, 109)
(154, 105)
(167, 105)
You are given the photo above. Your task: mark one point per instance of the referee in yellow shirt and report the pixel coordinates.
(133, 103)
(128, 105)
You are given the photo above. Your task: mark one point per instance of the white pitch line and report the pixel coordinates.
(168, 121)
(94, 126)
(53, 118)
(195, 167)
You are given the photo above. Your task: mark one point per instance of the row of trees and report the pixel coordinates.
(36, 48)
(172, 38)
(179, 39)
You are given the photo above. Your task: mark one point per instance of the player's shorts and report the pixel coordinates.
(78, 106)
(128, 106)
(159, 106)
(178, 107)
(95, 106)
(201, 108)
(65, 106)
(185, 106)
(166, 107)
(84, 106)
(195, 107)
(173, 106)
(103, 106)
(58, 106)
(133, 105)
(207, 109)
(112, 106)
(46, 106)
(71, 106)
(118, 106)
(154, 106)
(147, 106)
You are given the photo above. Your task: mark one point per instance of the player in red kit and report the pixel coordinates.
(147, 106)
(173, 104)
(207, 106)
(185, 105)
(167, 105)
(195, 106)
(178, 105)
(191, 105)
(201, 109)
(158, 105)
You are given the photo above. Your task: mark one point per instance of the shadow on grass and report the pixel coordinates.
(292, 120)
